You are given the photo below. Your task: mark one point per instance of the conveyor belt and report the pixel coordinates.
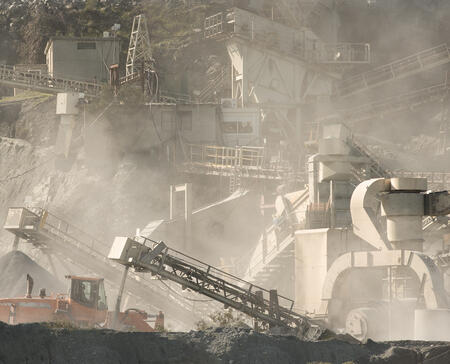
(46, 83)
(396, 70)
(267, 307)
(55, 236)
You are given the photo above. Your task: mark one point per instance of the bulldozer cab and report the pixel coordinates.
(89, 292)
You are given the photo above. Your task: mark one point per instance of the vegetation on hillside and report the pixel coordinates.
(27, 26)
(175, 32)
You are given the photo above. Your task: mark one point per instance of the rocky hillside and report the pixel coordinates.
(175, 29)
(105, 191)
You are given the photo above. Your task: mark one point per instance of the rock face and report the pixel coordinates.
(41, 344)
(8, 116)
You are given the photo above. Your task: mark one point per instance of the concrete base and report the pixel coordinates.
(315, 251)
(432, 325)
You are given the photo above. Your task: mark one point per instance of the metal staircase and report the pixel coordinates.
(57, 237)
(375, 167)
(275, 247)
(210, 91)
(396, 70)
(46, 83)
(267, 307)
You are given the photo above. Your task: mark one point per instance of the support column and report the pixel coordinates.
(67, 108)
(16, 243)
(332, 206)
(64, 136)
(52, 264)
(188, 217)
(119, 297)
(173, 202)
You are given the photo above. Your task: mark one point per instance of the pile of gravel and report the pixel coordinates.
(14, 267)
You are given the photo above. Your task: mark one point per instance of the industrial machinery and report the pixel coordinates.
(367, 250)
(407, 287)
(140, 62)
(265, 307)
(364, 271)
(373, 279)
(84, 306)
(59, 240)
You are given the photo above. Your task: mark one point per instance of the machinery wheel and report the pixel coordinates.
(364, 323)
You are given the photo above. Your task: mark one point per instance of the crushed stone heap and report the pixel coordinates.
(14, 267)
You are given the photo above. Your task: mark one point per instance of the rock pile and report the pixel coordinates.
(14, 267)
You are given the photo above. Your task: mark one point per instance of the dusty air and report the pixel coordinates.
(225, 181)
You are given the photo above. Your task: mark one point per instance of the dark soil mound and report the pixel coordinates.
(14, 268)
(36, 343)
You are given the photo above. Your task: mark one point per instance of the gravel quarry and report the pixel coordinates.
(229, 172)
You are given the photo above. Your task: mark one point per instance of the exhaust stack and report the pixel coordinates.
(30, 284)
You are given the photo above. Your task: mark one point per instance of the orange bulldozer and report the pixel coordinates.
(85, 306)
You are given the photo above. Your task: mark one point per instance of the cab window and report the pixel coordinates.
(102, 303)
(84, 292)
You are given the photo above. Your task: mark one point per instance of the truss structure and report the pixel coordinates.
(139, 50)
(266, 307)
(60, 239)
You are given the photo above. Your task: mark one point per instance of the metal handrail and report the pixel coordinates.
(213, 25)
(220, 156)
(327, 53)
(46, 82)
(52, 227)
(398, 69)
(395, 103)
(376, 168)
(63, 229)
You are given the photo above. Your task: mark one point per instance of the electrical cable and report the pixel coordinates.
(101, 114)
(95, 120)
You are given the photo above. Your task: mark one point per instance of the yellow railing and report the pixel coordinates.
(227, 157)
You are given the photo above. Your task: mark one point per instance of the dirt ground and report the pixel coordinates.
(40, 344)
